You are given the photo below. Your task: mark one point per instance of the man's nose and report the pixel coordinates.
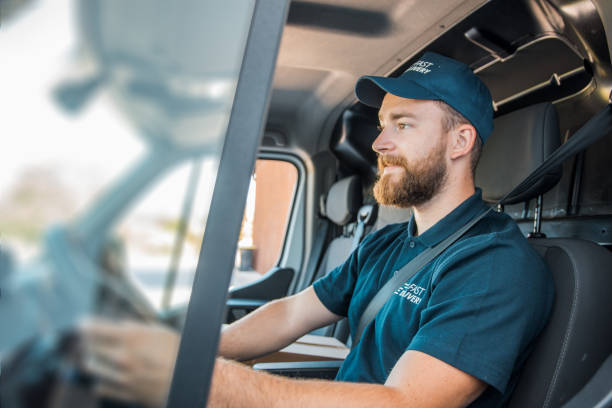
(383, 143)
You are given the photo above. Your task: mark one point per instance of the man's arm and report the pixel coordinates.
(274, 326)
(417, 380)
(133, 361)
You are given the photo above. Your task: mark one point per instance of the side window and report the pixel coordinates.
(160, 237)
(265, 218)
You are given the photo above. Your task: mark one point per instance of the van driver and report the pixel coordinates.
(456, 334)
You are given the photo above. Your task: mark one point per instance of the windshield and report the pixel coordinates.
(115, 118)
(57, 161)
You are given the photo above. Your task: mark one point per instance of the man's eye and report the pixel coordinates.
(402, 126)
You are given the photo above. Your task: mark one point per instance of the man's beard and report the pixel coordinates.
(417, 184)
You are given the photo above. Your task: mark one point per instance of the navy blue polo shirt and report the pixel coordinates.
(477, 306)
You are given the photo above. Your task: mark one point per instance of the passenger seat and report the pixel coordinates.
(340, 205)
(343, 208)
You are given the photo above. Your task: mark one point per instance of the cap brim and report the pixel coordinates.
(371, 90)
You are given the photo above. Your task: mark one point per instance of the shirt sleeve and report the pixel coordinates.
(487, 303)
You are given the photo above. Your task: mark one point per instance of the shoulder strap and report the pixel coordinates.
(593, 130)
(365, 216)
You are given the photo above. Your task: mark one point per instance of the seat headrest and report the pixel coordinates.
(520, 142)
(343, 200)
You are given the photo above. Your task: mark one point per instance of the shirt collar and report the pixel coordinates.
(456, 219)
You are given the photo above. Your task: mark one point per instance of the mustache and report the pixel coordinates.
(388, 160)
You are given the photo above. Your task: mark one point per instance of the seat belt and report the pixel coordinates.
(594, 129)
(365, 216)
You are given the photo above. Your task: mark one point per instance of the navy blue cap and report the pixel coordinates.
(435, 77)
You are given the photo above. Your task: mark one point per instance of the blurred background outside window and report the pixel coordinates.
(114, 115)
(266, 218)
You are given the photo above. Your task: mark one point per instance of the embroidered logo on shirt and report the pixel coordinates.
(410, 292)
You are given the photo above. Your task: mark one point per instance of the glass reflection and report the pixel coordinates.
(115, 117)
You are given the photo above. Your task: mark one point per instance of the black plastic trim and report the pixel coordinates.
(273, 285)
(238, 308)
(199, 341)
(303, 369)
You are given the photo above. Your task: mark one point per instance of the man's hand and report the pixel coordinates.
(130, 361)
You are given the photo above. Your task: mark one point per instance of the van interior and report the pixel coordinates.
(548, 66)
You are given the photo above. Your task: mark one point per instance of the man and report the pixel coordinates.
(454, 335)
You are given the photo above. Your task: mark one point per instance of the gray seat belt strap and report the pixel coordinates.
(598, 126)
(365, 216)
(358, 235)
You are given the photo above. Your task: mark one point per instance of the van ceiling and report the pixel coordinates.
(328, 44)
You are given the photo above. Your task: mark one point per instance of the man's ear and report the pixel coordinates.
(462, 140)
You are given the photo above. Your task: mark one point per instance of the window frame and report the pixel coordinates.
(199, 340)
(290, 255)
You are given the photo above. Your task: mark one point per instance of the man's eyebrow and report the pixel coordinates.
(398, 115)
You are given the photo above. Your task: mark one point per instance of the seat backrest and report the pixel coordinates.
(578, 336)
(342, 205)
(339, 209)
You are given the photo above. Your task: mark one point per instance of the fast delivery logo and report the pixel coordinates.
(421, 67)
(410, 292)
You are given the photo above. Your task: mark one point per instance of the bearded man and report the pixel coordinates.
(455, 334)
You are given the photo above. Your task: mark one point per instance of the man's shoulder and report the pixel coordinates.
(496, 245)
(499, 231)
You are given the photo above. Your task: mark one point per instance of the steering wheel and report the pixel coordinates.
(44, 370)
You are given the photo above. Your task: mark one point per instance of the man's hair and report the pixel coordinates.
(451, 120)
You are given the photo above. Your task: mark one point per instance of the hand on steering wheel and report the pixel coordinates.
(131, 361)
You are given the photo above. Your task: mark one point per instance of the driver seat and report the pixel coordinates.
(578, 337)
